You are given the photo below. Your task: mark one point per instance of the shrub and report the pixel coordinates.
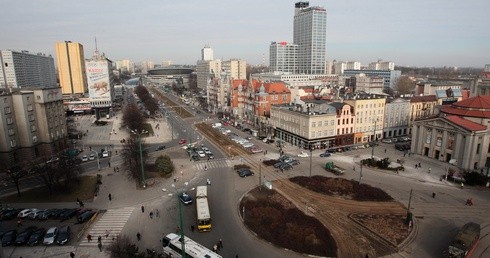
(475, 178)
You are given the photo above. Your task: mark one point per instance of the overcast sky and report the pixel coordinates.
(415, 32)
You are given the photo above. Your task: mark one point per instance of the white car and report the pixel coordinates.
(247, 145)
(24, 213)
(105, 154)
(201, 154)
(303, 155)
(84, 158)
(91, 157)
(50, 236)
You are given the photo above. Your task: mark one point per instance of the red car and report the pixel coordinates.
(225, 123)
(182, 141)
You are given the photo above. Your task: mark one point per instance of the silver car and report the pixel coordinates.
(50, 236)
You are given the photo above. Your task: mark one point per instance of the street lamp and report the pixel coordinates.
(97, 155)
(311, 156)
(374, 139)
(135, 132)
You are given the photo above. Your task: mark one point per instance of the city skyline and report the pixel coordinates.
(414, 33)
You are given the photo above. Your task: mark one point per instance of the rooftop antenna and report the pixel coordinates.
(96, 49)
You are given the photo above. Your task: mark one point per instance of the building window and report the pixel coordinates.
(13, 143)
(11, 131)
(29, 107)
(7, 110)
(34, 139)
(10, 121)
(313, 124)
(33, 128)
(478, 148)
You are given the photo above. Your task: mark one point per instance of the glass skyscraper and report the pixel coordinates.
(310, 34)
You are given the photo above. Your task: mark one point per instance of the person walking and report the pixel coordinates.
(138, 236)
(429, 170)
(142, 209)
(462, 185)
(110, 197)
(192, 228)
(19, 223)
(220, 244)
(99, 239)
(158, 213)
(109, 163)
(72, 255)
(89, 238)
(433, 195)
(151, 214)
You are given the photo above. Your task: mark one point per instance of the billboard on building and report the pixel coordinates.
(98, 81)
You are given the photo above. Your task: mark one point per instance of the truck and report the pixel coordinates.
(329, 166)
(465, 241)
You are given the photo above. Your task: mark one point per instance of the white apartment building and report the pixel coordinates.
(369, 84)
(236, 69)
(310, 34)
(283, 57)
(382, 65)
(125, 66)
(206, 70)
(340, 66)
(22, 69)
(207, 53)
(396, 118)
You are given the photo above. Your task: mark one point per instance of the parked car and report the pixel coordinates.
(201, 153)
(247, 144)
(211, 156)
(63, 235)
(53, 159)
(185, 198)
(34, 213)
(9, 237)
(85, 216)
(68, 214)
(182, 141)
(278, 164)
(161, 147)
(84, 158)
(36, 236)
(244, 172)
(24, 213)
(50, 236)
(285, 166)
(24, 236)
(10, 214)
(386, 141)
(105, 154)
(91, 157)
(303, 154)
(255, 149)
(325, 154)
(44, 214)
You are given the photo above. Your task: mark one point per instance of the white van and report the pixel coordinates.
(216, 125)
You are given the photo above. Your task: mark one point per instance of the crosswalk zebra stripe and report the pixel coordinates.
(112, 222)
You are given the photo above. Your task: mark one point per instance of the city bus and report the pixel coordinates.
(202, 209)
(172, 246)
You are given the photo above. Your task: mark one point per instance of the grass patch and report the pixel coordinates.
(83, 189)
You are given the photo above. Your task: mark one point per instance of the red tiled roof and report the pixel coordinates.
(278, 87)
(467, 124)
(235, 83)
(478, 106)
(423, 98)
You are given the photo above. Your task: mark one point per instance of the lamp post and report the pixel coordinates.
(374, 139)
(311, 156)
(98, 162)
(135, 132)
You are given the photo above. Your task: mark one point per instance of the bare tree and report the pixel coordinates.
(131, 157)
(405, 85)
(15, 173)
(133, 118)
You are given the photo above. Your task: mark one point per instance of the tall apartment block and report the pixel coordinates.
(283, 57)
(32, 125)
(70, 59)
(310, 34)
(22, 69)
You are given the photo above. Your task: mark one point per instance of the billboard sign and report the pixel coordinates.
(99, 88)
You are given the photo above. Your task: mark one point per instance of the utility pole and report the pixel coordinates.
(409, 214)
(311, 156)
(360, 174)
(182, 237)
(260, 174)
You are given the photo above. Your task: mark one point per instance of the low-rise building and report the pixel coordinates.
(396, 118)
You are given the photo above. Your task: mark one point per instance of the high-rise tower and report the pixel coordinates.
(310, 34)
(71, 67)
(207, 53)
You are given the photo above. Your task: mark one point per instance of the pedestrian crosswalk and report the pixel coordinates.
(109, 226)
(209, 164)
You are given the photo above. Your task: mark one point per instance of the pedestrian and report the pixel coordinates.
(109, 163)
(420, 165)
(106, 233)
(114, 169)
(81, 204)
(416, 165)
(433, 195)
(218, 247)
(89, 238)
(429, 170)
(151, 214)
(72, 255)
(100, 247)
(78, 201)
(19, 223)
(99, 239)
(175, 179)
(110, 197)
(138, 236)
(142, 209)
(265, 154)
(220, 243)
(385, 150)
(462, 185)
(215, 248)
(158, 213)
(192, 228)
(117, 168)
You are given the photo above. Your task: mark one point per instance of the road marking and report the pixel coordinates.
(112, 222)
(218, 163)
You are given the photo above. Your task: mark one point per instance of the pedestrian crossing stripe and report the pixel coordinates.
(111, 223)
(212, 164)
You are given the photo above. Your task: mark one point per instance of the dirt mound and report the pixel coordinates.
(278, 221)
(342, 187)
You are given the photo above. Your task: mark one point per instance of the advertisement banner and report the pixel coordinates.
(98, 81)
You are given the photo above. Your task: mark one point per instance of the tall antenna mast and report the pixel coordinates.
(96, 49)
